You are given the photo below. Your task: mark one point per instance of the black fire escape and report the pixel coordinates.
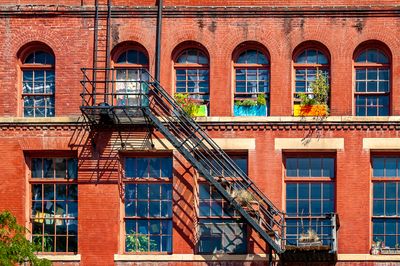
(109, 101)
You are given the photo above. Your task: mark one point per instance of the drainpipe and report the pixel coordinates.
(158, 40)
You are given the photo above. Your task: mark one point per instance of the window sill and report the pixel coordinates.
(367, 257)
(191, 257)
(76, 257)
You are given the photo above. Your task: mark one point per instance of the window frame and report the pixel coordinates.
(309, 180)
(36, 67)
(376, 66)
(145, 180)
(326, 68)
(385, 180)
(223, 203)
(53, 181)
(239, 96)
(192, 66)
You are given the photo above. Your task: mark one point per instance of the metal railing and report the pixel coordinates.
(144, 93)
(312, 233)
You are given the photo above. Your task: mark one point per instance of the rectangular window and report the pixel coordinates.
(148, 204)
(386, 201)
(310, 197)
(372, 89)
(220, 227)
(54, 204)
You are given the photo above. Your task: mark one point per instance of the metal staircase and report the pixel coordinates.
(144, 102)
(214, 165)
(162, 111)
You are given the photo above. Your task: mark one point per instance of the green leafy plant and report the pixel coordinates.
(139, 243)
(247, 102)
(252, 102)
(320, 91)
(188, 105)
(261, 99)
(14, 247)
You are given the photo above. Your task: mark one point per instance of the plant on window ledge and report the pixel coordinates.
(190, 106)
(310, 238)
(251, 107)
(245, 199)
(315, 104)
(139, 243)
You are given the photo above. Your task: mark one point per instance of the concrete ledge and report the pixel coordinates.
(367, 257)
(225, 119)
(39, 120)
(381, 143)
(191, 257)
(309, 144)
(76, 257)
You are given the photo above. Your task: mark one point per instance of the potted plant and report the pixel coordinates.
(376, 247)
(251, 107)
(190, 106)
(315, 104)
(310, 238)
(246, 199)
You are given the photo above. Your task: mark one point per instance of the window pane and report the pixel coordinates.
(291, 167)
(378, 166)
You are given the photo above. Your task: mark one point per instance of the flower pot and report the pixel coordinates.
(201, 111)
(310, 110)
(252, 110)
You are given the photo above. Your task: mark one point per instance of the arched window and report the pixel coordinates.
(372, 83)
(251, 84)
(38, 84)
(306, 65)
(192, 77)
(131, 66)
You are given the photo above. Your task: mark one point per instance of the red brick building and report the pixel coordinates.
(98, 185)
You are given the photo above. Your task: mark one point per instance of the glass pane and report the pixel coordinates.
(72, 168)
(166, 167)
(48, 168)
(304, 167)
(378, 208)
(378, 190)
(60, 167)
(155, 165)
(130, 167)
(328, 165)
(291, 167)
(142, 191)
(390, 167)
(37, 168)
(378, 166)
(291, 191)
(304, 191)
(316, 165)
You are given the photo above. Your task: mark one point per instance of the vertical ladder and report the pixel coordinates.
(101, 48)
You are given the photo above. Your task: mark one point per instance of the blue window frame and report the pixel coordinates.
(38, 85)
(148, 204)
(386, 201)
(220, 227)
(54, 204)
(372, 83)
(310, 197)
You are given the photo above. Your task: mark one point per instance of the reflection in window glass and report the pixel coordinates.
(148, 205)
(54, 206)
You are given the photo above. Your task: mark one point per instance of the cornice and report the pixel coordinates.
(202, 11)
(275, 123)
